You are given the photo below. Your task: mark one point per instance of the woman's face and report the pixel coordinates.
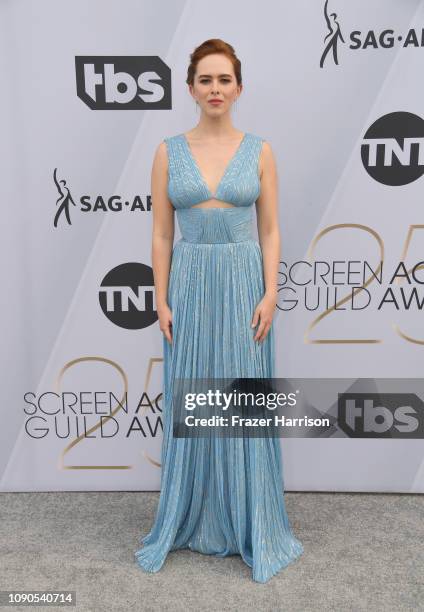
(215, 80)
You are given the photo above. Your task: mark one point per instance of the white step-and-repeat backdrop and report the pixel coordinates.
(88, 92)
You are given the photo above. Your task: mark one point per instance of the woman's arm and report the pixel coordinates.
(267, 218)
(162, 237)
(269, 239)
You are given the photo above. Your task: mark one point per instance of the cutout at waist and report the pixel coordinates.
(213, 203)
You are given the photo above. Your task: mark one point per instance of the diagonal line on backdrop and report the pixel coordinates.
(103, 226)
(420, 471)
(369, 117)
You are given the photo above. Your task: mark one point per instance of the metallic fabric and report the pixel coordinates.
(219, 496)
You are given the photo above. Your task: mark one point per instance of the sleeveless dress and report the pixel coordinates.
(219, 496)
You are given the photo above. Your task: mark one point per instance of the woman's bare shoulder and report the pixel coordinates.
(266, 157)
(161, 151)
(164, 147)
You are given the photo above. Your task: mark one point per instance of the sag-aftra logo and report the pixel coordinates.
(377, 39)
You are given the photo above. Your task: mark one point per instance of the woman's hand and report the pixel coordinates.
(165, 321)
(263, 314)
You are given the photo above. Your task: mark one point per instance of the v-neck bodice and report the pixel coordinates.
(239, 185)
(214, 195)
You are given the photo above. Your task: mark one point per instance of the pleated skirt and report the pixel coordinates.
(219, 496)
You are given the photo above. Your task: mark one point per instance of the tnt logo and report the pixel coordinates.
(127, 296)
(393, 149)
(123, 82)
(381, 415)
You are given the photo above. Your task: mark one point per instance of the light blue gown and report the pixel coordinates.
(219, 496)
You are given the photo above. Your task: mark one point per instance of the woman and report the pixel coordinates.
(216, 291)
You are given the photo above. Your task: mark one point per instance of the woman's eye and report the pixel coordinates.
(203, 81)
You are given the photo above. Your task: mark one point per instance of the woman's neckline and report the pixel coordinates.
(226, 170)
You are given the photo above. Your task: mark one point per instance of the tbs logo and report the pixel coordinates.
(123, 82)
(381, 415)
